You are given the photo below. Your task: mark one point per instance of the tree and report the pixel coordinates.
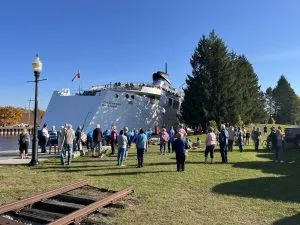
(222, 87)
(296, 111)
(270, 102)
(10, 115)
(206, 91)
(249, 103)
(285, 98)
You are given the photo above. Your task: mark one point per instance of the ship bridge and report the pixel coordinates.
(161, 79)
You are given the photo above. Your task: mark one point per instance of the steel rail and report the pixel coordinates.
(77, 215)
(29, 201)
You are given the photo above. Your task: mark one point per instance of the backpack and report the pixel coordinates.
(22, 139)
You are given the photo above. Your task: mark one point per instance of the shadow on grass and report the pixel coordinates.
(132, 173)
(83, 168)
(293, 220)
(285, 187)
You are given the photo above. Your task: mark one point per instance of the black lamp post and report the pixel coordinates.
(37, 66)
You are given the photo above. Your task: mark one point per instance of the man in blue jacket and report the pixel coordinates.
(180, 146)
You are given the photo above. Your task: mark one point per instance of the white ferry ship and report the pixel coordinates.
(135, 105)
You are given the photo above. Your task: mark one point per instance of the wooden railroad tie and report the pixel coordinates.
(59, 207)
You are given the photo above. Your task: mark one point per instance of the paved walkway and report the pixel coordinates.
(12, 157)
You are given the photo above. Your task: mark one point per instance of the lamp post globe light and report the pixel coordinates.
(163, 117)
(37, 66)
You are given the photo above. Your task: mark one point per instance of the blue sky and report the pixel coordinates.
(115, 40)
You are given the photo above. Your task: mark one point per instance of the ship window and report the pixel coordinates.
(170, 102)
(117, 95)
(127, 95)
(132, 96)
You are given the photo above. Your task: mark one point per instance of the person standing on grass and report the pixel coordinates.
(163, 138)
(53, 139)
(256, 138)
(273, 138)
(248, 137)
(113, 139)
(68, 145)
(253, 135)
(265, 129)
(210, 144)
(223, 143)
(141, 146)
(122, 145)
(78, 135)
(180, 150)
(97, 140)
(240, 135)
(231, 135)
(171, 133)
(279, 146)
(126, 133)
(61, 137)
(89, 140)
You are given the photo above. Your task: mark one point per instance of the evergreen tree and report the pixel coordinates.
(296, 111)
(270, 102)
(207, 88)
(285, 99)
(248, 104)
(223, 86)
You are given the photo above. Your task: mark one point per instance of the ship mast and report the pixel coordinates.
(166, 67)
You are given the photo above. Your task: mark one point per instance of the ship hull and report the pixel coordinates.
(111, 107)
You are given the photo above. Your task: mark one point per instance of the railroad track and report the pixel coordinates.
(66, 205)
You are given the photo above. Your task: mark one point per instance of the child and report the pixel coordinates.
(198, 143)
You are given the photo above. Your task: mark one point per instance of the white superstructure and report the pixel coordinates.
(132, 105)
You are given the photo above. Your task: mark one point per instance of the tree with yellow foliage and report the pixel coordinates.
(10, 115)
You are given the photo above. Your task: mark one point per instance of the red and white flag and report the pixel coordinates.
(76, 76)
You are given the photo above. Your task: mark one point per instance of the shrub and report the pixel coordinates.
(213, 124)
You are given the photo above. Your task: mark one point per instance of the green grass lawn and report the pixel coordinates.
(250, 189)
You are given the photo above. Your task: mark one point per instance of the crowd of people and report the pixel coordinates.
(66, 140)
(228, 136)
